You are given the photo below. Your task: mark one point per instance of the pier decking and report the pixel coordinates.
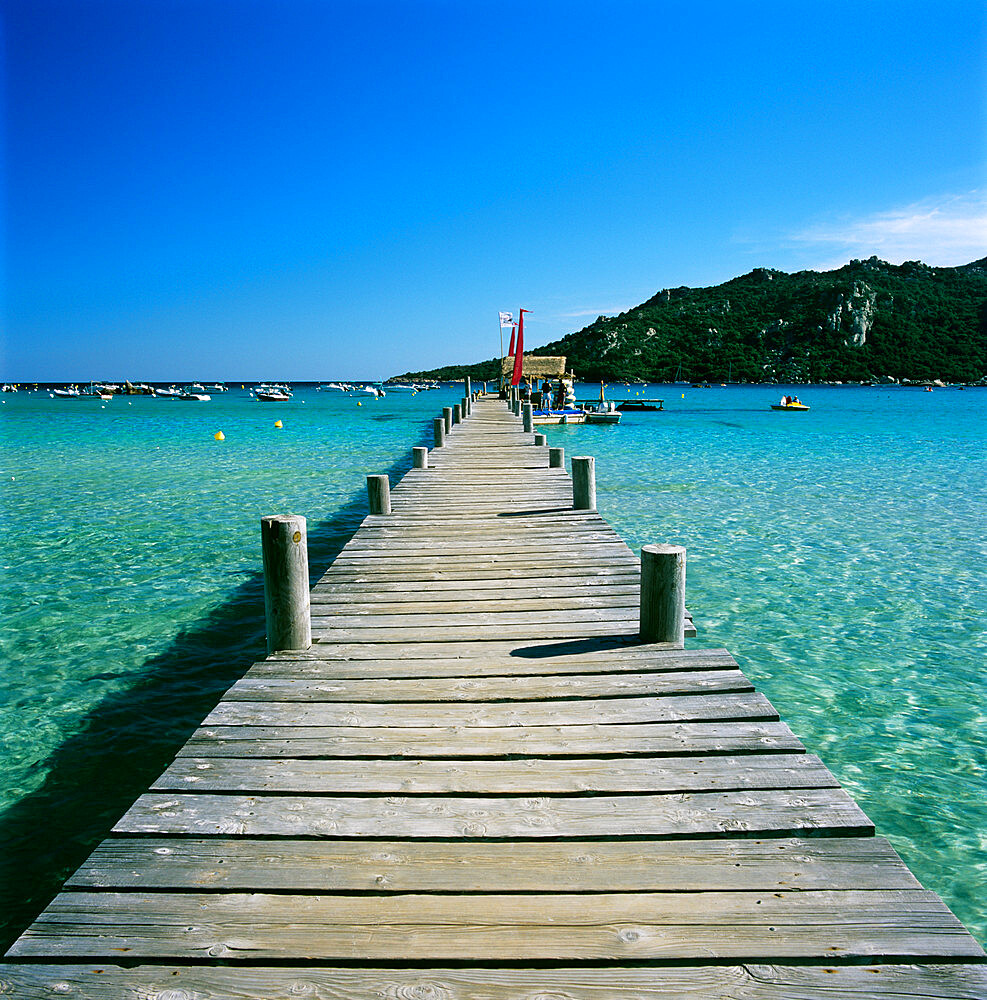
(478, 785)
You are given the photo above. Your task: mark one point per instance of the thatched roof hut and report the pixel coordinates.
(533, 366)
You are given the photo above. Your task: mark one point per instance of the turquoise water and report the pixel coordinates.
(837, 553)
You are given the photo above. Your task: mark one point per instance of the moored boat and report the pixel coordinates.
(272, 392)
(604, 412)
(568, 416)
(190, 394)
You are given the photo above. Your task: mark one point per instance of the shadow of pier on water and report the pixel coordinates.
(128, 739)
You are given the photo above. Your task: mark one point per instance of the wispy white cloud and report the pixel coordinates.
(598, 311)
(944, 231)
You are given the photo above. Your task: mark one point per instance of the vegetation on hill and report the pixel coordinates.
(866, 320)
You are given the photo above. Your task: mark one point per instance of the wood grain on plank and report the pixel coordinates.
(756, 812)
(524, 688)
(751, 981)
(473, 866)
(667, 739)
(892, 924)
(531, 776)
(588, 711)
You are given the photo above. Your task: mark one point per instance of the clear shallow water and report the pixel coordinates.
(838, 554)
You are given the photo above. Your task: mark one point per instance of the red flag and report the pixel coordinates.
(519, 352)
(510, 353)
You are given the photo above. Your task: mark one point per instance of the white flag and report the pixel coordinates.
(506, 319)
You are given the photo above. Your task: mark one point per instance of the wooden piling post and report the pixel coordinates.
(556, 458)
(465, 406)
(663, 593)
(529, 420)
(540, 440)
(439, 429)
(469, 386)
(447, 417)
(419, 456)
(457, 414)
(379, 494)
(284, 548)
(584, 483)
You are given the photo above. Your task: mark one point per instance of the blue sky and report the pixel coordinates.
(302, 190)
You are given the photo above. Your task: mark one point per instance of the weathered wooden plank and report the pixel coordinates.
(771, 812)
(481, 541)
(345, 595)
(556, 776)
(500, 552)
(487, 688)
(466, 649)
(887, 924)
(534, 615)
(425, 517)
(441, 633)
(667, 739)
(223, 863)
(673, 708)
(671, 660)
(752, 981)
(575, 524)
(451, 603)
(436, 633)
(339, 576)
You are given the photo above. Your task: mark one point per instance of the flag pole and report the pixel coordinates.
(500, 374)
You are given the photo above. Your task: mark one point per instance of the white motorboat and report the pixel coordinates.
(272, 392)
(190, 395)
(604, 412)
(568, 416)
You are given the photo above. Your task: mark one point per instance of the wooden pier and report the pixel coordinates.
(478, 784)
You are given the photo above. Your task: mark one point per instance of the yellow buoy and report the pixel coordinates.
(683, 395)
(359, 404)
(278, 424)
(219, 436)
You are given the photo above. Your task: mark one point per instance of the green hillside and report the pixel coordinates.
(866, 320)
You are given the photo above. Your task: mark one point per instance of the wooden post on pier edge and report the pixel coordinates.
(457, 413)
(439, 429)
(584, 483)
(447, 417)
(465, 405)
(526, 416)
(556, 458)
(419, 456)
(540, 440)
(284, 546)
(663, 593)
(379, 494)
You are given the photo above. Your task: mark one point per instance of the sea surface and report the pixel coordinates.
(839, 554)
